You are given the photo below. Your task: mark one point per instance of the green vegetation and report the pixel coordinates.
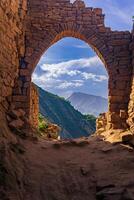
(59, 111)
(91, 119)
(43, 125)
(47, 129)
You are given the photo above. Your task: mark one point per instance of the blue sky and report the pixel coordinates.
(70, 65)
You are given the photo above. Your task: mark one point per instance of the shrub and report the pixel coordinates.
(43, 125)
(91, 119)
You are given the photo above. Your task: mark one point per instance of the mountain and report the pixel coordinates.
(88, 104)
(59, 111)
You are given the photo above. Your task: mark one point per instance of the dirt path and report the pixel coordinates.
(81, 170)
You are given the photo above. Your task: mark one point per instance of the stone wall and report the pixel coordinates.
(62, 18)
(24, 37)
(12, 46)
(34, 106)
(101, 123)
(131, 103)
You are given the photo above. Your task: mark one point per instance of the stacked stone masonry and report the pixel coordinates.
(28, 29)
(130, 120)
(12, 47)
(34, 106)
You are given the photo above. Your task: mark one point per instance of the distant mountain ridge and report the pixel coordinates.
(59, 111)
(88, 104)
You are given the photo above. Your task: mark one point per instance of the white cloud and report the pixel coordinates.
(48, 83)
(83, 46)
(70, 68)
(69, 74)
(45, 82)
(72, 84)
(94, 77)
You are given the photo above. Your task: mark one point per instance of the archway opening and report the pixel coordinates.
(72, 83)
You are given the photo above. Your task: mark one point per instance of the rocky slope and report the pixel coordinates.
(59, 111)
(88, 104)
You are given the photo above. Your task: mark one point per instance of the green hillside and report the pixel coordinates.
(59, 111)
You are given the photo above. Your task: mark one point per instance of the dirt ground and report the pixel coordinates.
(83, 169)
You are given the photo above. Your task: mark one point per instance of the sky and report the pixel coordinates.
(70, 65)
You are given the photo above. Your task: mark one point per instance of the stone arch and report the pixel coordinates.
(95, 43)
(48, 22)
(66, 33)
(81, 22)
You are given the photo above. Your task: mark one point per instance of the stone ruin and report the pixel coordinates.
(29, 27)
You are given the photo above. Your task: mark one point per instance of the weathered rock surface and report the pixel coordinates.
(18, 123)
(87, 168)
